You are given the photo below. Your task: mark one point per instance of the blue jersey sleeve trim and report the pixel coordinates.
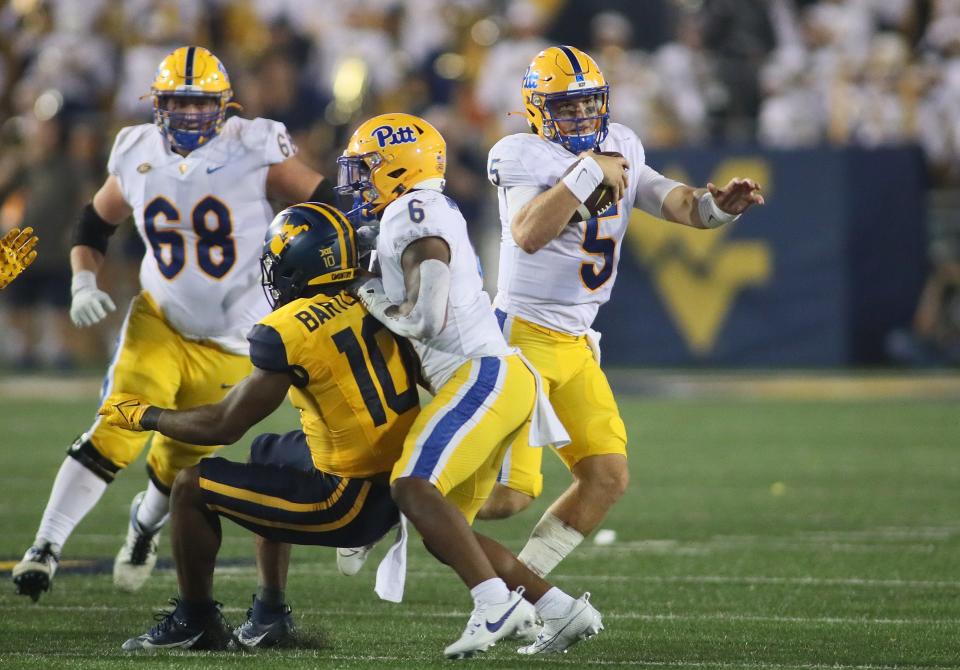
(267, 350)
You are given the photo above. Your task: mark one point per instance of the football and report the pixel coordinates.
(596, 202)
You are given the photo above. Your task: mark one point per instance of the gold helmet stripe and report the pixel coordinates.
(344, 231)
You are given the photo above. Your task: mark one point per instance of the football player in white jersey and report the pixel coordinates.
(556, 273)
(196, 184)
(484, 392)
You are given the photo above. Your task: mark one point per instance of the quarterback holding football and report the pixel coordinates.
(566, 193)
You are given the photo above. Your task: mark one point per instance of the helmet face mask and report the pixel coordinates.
(576, 118)
(190, 93)
(188, 129)
(355, 178)
(308, 248)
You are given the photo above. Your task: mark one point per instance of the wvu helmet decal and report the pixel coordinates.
(387, 156)
(190, 75)
(307, 246)
(565, 77)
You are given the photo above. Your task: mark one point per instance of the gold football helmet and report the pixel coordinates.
(559, 76)
(386, 157)
(190, 72)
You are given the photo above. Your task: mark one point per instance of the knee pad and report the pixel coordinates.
(83, 451)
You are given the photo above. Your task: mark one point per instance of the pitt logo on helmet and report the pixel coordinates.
(566, 98)
(398, 136)
(190, 93)
(531, 78)
(387, 156)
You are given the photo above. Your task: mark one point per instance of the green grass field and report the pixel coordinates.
(755, 534)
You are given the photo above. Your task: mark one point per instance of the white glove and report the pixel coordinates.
(374, 298)
(367, 238)
(90, 305)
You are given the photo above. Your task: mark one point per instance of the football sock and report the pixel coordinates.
(268, 605)
(271, 597)
(75, 492)
(493, 590)
(196, 611)
(154, 508)
(550, 542)
(554, 604)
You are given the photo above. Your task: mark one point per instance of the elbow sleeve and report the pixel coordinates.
(430, 312)
(92, 230)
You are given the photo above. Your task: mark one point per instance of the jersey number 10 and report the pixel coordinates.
(348, 344)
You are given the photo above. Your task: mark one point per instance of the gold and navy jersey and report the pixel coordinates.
(354, 381)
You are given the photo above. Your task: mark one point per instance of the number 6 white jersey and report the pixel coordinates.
(471, 329)
(203, 218)
(562, 285)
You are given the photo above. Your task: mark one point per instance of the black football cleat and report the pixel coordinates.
(255, 633)
(173, 631)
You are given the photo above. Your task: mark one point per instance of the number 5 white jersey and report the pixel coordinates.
(471, 329)
(562, 285)
(203, 218)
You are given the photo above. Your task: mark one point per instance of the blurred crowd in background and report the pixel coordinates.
(779, 73)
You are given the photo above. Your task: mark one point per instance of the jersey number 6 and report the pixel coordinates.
(216, 251)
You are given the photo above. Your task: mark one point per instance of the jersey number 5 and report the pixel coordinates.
(216, 250)
(594, 277)
(348, 344)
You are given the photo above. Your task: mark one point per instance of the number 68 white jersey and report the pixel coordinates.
(562, 285)
(203, 218)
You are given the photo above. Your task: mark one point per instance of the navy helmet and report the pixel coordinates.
(309, 246)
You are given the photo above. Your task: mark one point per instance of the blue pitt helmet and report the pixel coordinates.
(307, 247)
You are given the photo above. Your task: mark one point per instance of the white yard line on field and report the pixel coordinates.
(669, 579)
(552, 660)
(614, 615)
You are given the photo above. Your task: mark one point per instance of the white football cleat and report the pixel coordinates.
(350, 560)
(34, 574)
(528, 629)
(489, 624)
(138, 555)
(581, 621)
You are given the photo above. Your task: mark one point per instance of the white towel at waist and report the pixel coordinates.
(546, 428)
(392, 571)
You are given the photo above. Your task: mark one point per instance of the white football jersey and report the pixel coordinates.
(562, 285)
(471, 329)
(203, 218)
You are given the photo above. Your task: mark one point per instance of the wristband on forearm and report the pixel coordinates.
(151, 418)
(584, 178)
(82, 279)
(711, 216)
